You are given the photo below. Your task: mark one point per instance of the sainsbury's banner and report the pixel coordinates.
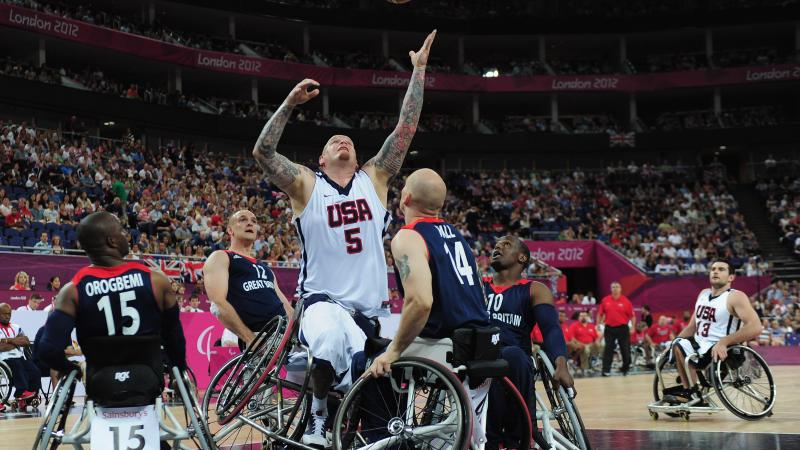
(77, 31)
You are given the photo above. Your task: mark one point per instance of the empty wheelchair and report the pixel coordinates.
(742, 384)
(122, 372)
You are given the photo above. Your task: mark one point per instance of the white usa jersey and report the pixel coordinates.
(341, 232)
(712, 317)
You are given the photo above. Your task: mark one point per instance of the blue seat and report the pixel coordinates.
(37, 227)
(11, 233)
(71, 235)
(52, 227)
(15, 241)
(27, 233)
(30, 242)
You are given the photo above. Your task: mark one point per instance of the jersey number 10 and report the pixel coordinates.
(460, 263)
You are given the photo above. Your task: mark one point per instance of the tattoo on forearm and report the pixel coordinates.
(403, 267)
(277, 167)
(393, 152)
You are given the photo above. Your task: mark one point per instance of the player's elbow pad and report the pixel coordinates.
(546, 316)
(55, 339)
(174, 340)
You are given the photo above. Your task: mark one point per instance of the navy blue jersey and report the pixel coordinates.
(510, 309)
(458, 299)
(251, 290)
(116, 301)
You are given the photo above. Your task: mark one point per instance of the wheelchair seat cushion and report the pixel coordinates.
(475, 344)
(124, 385)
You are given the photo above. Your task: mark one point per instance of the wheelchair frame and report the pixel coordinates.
(561, 407)
(5, 382)
(52, 433)
(708, 379)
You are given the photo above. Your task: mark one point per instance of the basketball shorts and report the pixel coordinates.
(332, 335)
(700, 349)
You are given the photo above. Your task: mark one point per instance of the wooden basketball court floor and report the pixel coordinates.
(614, 411)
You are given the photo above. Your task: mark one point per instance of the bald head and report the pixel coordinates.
(427, 190)
(239, 213)
(102, 233)
(5, 313)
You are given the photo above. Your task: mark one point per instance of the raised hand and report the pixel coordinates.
(420, 58)
(301, 93)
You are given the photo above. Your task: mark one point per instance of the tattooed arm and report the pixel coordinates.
(389, 160)
(294, 179)
(411, 256)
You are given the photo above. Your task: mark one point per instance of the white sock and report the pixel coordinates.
(319, 405)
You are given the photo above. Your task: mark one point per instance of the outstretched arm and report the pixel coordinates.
(411, 255)
(288, 176)
(545, 314)
(389, 159)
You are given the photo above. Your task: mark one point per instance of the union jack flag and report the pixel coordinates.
(622, 139)
(170, 267)
(192, 271)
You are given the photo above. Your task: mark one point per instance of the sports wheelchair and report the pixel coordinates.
(743, 384)
(5, 382)
(262, 397)
(123, 371)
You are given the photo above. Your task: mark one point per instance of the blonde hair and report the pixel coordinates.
(19, 274)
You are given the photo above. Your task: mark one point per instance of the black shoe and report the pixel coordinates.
(625, 373)
(606, 374)
(679, 398)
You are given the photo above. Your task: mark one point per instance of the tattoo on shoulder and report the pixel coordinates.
(403, 267)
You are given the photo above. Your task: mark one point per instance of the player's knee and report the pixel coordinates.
(515, 356)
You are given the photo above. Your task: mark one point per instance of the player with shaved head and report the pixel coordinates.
(341, 216)
(244, 291)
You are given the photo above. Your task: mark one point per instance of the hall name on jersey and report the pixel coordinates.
(348, 213)
(252, 285)
(445, 231)
(116, 284)
(511, 319)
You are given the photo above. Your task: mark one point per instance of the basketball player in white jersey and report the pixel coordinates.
(341, 216)
(722, 317)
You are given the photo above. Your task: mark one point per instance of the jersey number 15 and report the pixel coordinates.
(104, 305)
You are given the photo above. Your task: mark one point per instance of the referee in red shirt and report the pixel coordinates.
(615, 312)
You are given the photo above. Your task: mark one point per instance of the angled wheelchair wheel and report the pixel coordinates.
(744, 383)
(517, 424)
(562, 406)
(50, 433)
(258, 359)
(669, 376)
(279, 406)
(421, 405)
(5, 382)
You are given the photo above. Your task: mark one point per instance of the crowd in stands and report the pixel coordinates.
(667, 219)
(778, 306)
(756, 116)
(782, 196)
(273, 49)
(175, 201)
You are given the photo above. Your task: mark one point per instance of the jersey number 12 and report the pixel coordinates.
(460, 263)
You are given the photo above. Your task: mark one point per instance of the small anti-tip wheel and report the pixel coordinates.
(653, 415)
(685, 415)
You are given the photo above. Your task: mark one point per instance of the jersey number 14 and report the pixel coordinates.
(460, 263)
